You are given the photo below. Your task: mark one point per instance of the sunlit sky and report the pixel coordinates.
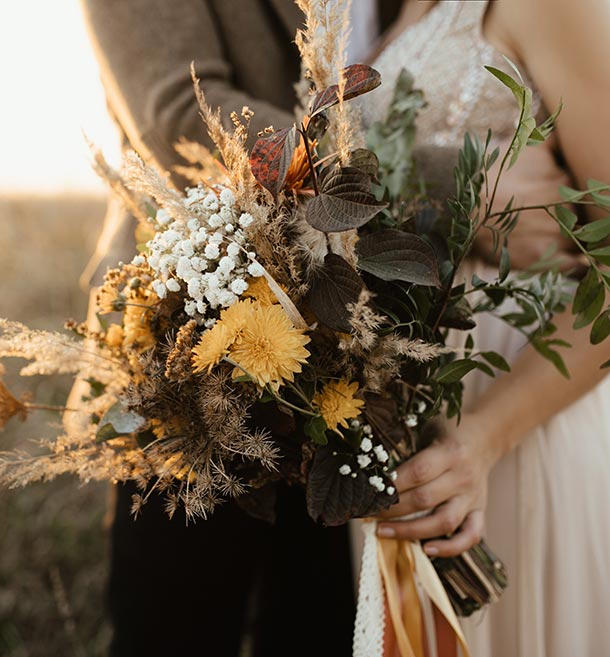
(49, 95)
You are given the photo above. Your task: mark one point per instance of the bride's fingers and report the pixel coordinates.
(469, 534)
(424, 467)
(424, 498)
(442, 522)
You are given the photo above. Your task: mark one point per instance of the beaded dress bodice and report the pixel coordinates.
(446, 53)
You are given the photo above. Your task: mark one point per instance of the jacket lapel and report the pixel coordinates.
(289, 14)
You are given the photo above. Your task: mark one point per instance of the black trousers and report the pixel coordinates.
(229, 586)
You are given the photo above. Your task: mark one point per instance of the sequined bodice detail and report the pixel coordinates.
(446, 53)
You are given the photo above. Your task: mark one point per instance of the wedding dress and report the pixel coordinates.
(548, 515)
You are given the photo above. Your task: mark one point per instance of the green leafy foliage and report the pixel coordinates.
(393, 139)
(119, 422)
(315, 428)
(455, 371)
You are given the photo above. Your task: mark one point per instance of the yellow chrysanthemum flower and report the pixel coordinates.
(212, 346)
(259, 289)
(237, 316)
(337, 403)
(270, 348)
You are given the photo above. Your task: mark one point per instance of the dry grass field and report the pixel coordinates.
(53, 546)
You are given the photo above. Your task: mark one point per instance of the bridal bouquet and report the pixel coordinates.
(292, 315)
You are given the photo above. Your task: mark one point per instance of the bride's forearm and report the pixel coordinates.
(534, 390)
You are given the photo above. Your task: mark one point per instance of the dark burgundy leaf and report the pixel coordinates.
(359, 79)
(382, 414)
(335, 286)
(271, 156)
(345, 200)
(333, 498)
(393, 255)
(458, 315)
(366, 161)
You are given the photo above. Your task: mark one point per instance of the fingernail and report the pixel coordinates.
(386, 532)
(430, 550)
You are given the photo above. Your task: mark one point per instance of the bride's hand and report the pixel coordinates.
(448, 479)
(534, 180)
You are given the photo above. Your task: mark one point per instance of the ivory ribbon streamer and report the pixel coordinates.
(390, 572)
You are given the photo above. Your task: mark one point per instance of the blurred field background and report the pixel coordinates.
(53, 546)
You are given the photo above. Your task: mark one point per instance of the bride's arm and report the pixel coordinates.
(567, 52)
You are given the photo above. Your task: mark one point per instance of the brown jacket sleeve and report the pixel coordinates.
(145, 48)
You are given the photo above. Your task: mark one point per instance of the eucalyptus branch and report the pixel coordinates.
(525, 208)
(592, 261)
(489, 202)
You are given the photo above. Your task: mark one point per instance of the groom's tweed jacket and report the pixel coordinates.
(243, 52)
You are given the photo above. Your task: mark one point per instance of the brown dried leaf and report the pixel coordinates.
(271, 157)
(359, 79)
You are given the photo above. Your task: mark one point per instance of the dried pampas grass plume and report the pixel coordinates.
(144, 178)
(317, 40)
(55, 353)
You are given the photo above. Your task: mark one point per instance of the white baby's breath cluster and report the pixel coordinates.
(371, 459)
(208, 257)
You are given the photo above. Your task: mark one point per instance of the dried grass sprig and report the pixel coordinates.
(232, 149)
(145, 179)
(133, 201)
(205, 169)
(56, 353)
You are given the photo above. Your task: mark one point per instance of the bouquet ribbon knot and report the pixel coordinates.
(394, 576)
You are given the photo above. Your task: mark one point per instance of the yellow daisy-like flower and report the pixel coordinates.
(212, 346)
(259, 289)
(270, 348)
(237, 316)
(337, 403)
